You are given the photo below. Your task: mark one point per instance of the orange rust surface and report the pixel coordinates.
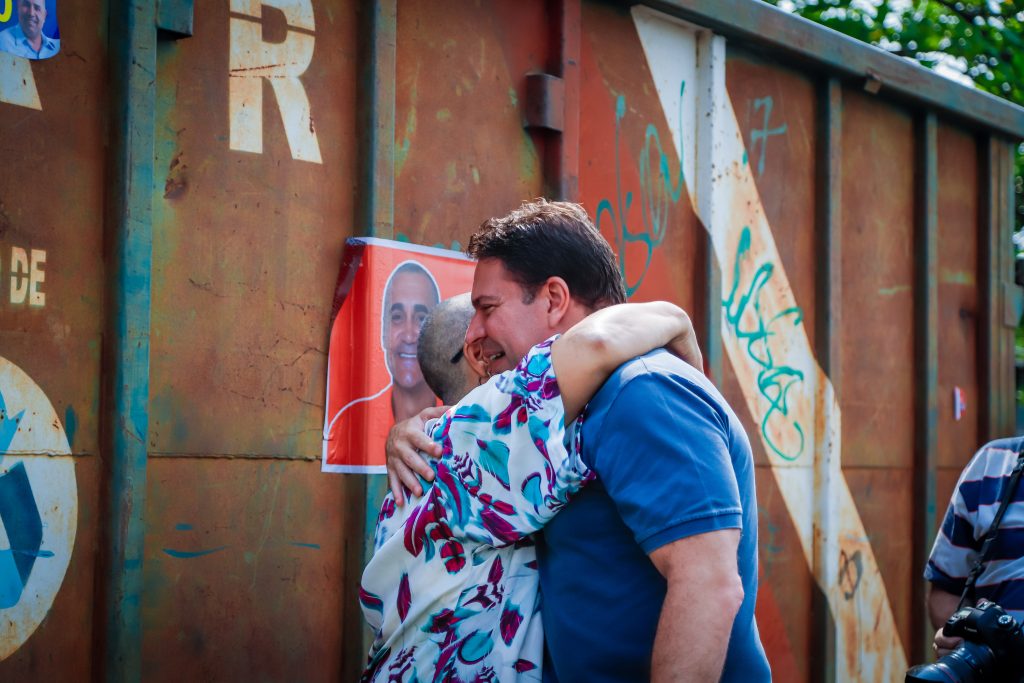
(877, 353)
(877, 357)
(886, 509)
(51, 199)
(246, 248)
(776, 108)
(244, 562)
(611, 66)
(959, 302)
(461, 152)
(243, 571)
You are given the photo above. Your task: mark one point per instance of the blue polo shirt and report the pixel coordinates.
(673, 461)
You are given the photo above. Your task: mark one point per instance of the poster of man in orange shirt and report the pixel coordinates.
(385, 291)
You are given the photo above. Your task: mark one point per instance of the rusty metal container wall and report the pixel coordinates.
(462, 154)
(878, 336)
(245, 539)
(53, 123)
(776, 108)
(248, 554)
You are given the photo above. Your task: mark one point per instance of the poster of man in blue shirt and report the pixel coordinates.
(28, 28)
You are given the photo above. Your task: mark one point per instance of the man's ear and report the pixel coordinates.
(473, 353)
(557, 293)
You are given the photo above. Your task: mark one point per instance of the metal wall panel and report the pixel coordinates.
(877, 331)
(247, 243)
(52, 137)
(244, 561)
(959, 307)
(461, 152)
(262, 133)
(625, 143)
(776, 111)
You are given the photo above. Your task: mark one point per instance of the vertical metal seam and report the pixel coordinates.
(711, 93)
(567, 142)
(998, 416)
(1006, 332)
(828, 210)
(926, 322)
(375, 217)
(376, 118)
(988, 268)
(132, 41)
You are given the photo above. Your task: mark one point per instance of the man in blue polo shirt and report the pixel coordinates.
(650, 572)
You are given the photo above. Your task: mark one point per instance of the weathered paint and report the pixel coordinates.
(130, 234)
(38, 506)
(926, 353)
(827, 316)
(809, 44)
(250, 553)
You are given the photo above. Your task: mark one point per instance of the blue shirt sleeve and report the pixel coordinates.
(662, 451)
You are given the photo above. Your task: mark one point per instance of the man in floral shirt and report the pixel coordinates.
(452, 589)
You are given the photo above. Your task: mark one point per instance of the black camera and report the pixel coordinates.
(993, 649)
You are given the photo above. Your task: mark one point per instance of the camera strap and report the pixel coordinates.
(988, 541)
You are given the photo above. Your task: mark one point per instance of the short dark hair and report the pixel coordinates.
(543, 239)
(441, 340)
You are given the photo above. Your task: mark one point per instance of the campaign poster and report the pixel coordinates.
(385, 291)
(28, 28)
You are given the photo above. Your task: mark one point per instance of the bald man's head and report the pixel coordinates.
(441, 339)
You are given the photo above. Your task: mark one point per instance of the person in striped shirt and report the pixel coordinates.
(974, 504)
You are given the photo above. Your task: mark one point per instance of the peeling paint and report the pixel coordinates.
(38, 506)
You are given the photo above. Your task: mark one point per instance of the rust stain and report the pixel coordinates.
(174, 189)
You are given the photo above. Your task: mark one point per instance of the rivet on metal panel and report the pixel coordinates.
(174, 18)
(1013, 304)
(545, 102)
(872, 83)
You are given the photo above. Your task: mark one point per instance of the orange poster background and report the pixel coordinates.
(358, 410)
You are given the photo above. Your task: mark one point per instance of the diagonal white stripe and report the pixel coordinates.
(871, 648)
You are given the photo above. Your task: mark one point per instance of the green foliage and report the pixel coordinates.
(981, 39)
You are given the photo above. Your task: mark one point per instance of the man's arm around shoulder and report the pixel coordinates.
(703, 596)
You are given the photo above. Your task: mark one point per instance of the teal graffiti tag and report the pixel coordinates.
(657, 195)
(773, 381)
(762, 134)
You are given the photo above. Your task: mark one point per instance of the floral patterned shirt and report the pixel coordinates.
(452, 589)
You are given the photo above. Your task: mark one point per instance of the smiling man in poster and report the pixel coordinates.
(373, 376)
(409, 296)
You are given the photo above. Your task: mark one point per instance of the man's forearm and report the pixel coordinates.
(693, 631)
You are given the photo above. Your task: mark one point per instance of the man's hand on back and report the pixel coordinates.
(404, 448)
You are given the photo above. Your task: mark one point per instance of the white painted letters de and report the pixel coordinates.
(281, 64)
(27, 276)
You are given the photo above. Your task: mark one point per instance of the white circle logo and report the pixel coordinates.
(38, 506)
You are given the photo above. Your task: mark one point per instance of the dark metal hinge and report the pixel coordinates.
(545, 102)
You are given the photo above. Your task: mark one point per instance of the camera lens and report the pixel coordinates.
(969, 663)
